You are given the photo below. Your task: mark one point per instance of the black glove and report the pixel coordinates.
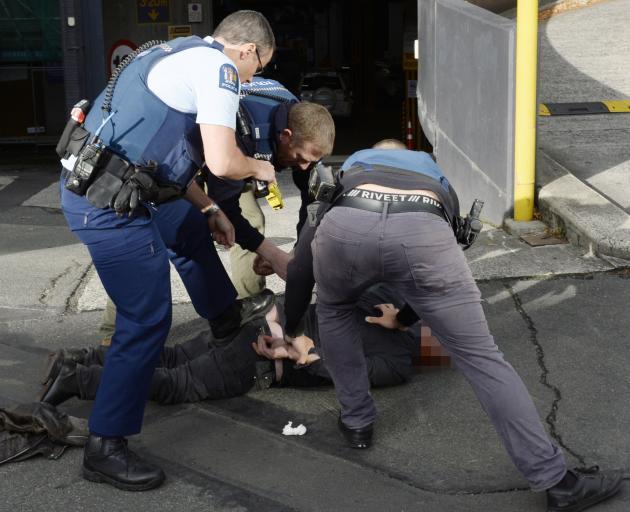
(138, 187)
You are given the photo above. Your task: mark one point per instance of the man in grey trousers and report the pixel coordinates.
(391, 221)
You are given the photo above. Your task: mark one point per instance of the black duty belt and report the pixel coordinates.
(398, 203)
(141, 211)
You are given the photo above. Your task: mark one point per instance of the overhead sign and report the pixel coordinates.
(153, 11)
(179, 31)
(119, 50)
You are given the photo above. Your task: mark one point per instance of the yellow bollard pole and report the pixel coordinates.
(525, 109)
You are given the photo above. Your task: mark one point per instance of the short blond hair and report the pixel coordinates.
(310, 122)
(389, 144)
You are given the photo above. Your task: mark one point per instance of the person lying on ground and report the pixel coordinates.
(200, 369)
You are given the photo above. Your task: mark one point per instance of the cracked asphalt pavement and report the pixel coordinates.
(559, 316)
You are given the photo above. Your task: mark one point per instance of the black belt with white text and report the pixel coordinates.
(398, 203)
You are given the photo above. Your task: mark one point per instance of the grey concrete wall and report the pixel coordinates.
(466, 99)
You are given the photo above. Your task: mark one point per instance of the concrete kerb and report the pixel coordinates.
(588, 218)
(550, 8)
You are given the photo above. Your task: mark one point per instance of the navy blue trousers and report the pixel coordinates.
(188, 240)
(132, 261)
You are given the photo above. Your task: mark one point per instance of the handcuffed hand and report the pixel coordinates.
(302, 345)
(277, 348)
(271, 348)
(388, 320)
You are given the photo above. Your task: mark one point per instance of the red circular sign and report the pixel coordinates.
(119, 50)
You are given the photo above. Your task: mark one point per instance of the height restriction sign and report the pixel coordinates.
(153, 11)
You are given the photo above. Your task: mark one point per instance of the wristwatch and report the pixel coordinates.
(210, 210)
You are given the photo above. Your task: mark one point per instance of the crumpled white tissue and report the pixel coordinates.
(290, 430)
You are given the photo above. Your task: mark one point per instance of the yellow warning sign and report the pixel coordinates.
(179, 31)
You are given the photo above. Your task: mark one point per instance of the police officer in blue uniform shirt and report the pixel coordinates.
(392, 221)
(168, 109)
(272, 126)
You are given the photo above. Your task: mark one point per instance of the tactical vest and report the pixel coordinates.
(262, 110)
(143, 127)
(263, 101)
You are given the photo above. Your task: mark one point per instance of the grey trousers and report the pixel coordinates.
(416, 253)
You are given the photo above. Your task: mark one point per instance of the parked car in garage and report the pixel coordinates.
(329, 89)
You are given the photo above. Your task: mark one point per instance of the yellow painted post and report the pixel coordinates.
(525, 109)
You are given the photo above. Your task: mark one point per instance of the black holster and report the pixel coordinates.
(109, 181)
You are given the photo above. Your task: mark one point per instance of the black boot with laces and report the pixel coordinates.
(109, 460)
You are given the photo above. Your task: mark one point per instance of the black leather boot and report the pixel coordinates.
(54, 360)
(256, 306)
(63, 386)
(583, 488)
(85, 356)
(226, 325)
(360, 438)
(109, 460)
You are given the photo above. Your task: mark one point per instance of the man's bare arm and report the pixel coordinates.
(197, 196)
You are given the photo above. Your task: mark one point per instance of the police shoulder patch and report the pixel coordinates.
(228, 78)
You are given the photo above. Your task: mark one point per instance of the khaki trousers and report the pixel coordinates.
(245, 280)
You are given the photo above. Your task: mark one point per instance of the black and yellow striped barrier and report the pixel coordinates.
(584, 108)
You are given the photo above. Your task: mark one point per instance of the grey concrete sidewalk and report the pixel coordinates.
(584, 161)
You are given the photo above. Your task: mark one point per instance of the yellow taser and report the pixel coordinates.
(274, 198)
